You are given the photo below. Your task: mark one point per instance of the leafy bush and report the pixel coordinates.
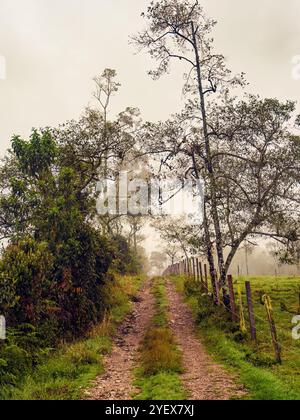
(191, 287)
(20, 353)
(56, 268)
(205, 309)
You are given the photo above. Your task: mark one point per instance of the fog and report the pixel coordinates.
(53, 49)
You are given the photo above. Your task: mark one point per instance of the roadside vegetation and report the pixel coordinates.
(61, 258)
(255, 366)
(63, 253)
(158, 376)
(63, 374)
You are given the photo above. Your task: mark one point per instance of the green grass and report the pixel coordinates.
(164, 386)
(161, 303)
(158, 376)
(284, 292)
(256, 367)
(67, 372)
(63, 376)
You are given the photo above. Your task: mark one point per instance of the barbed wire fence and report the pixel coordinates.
(231, 299)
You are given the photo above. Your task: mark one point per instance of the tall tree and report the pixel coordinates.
(245, 152)
(180, 30)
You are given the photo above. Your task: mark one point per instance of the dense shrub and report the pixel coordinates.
(25, 273)
(20, 353)
(57, 263)
(46, 304)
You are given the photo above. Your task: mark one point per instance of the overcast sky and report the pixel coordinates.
(53, 48)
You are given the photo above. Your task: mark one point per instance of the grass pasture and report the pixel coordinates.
(255, 365)
(284, 293)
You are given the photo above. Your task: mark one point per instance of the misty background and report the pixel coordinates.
(53, 49)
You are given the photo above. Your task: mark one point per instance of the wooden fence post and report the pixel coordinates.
(251, 312)
(243, 327)
(269, 309)
(232, 299)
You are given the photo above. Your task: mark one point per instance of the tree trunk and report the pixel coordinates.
(209, 164)
(210, 256)
(209, 248)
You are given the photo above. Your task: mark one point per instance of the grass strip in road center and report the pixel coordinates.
(158, 376)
